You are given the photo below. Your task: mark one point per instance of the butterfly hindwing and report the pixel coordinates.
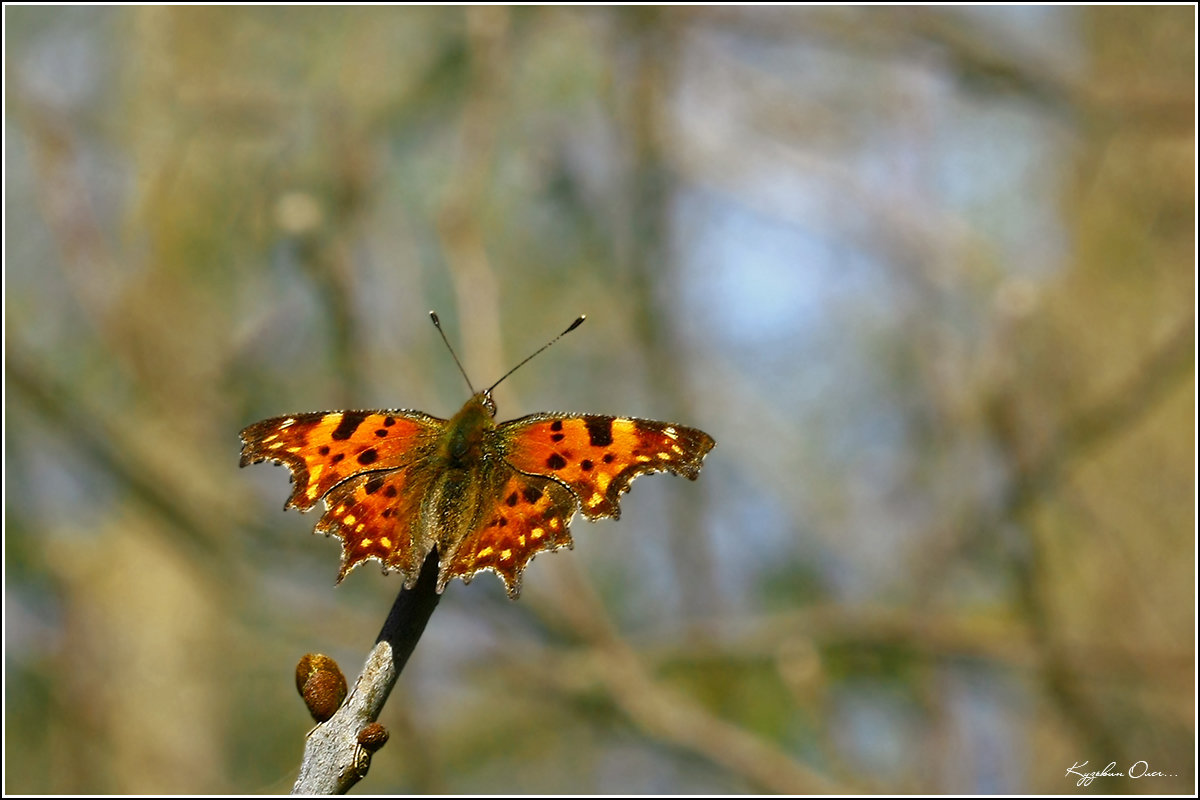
(528, 514)
(597, 457)
(377, 515)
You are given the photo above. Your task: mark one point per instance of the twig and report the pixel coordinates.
(333, 759)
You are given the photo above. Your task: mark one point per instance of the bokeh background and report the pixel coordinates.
(926, 275)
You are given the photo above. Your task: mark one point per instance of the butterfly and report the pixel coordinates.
(487, 495)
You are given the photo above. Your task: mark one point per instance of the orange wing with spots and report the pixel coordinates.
(377, 515)
(322, 449)
(530, 514)
(597, 457)
(367, 466)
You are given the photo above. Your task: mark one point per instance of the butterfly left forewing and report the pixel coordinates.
(597, 457)
(322, 449)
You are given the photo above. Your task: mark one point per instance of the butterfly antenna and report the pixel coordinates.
(437, 323)
(570, 328)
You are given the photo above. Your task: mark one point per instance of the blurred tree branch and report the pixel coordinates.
(459, 220)
(1037, 473)
(1160, 371)
(662, 713)
(653, 40)
(943, 636)
(102, 442)
(1038, 476)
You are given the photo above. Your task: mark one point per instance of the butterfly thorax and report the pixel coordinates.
(462, 444)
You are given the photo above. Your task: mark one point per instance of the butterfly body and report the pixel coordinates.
(398, 483)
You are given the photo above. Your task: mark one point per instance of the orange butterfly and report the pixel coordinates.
(488, 496)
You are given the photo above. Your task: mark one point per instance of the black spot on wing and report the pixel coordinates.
(348, 424)
(600, 431)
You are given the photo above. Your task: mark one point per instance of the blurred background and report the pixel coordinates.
(927, 276)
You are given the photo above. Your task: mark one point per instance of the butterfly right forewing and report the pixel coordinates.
(598, 456)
